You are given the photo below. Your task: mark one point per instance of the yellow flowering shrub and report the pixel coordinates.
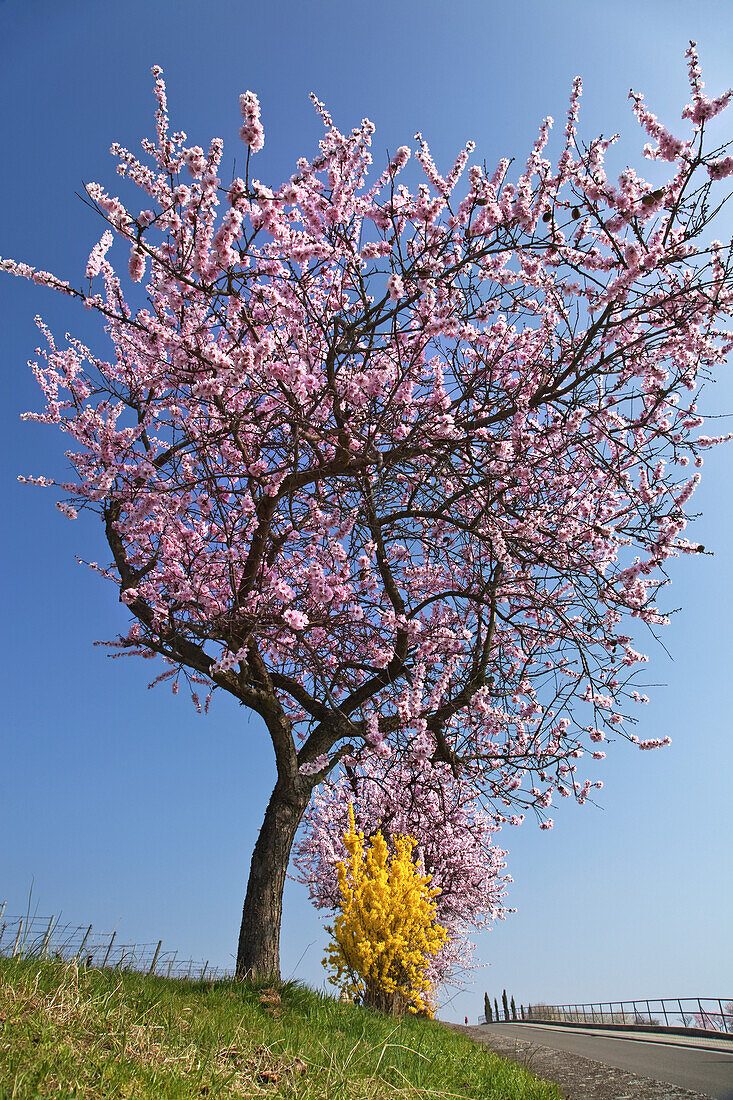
(386, 931)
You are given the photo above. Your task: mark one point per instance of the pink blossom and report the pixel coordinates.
(251, 133)
(195, 161)
(702, 108)
(314, 766)
(137, 265)
(395, 287)
(719, 169)
(98, 253)
(295, 619)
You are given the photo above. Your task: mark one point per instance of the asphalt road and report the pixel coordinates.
(671, 1059)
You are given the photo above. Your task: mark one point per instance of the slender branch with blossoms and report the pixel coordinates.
(395, 465)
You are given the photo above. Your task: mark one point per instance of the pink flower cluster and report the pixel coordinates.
(251, 132)
(98, 254)
(719, 169)
(702, 108)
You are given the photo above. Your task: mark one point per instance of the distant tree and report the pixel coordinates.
(522, 1010)
(514, 1009)
(497, 1017)
(505, 1005)
(487, 1009)
(391, 466)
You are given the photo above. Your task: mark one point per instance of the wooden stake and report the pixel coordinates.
(83, 942)
(46, 938)
(109, 948)
(155, 957)
(17, 938)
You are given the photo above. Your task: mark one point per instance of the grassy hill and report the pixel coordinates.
(69, 1032)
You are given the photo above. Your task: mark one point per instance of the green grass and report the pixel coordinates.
(69, 1032)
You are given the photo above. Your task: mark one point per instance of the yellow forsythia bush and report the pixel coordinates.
(386, 932)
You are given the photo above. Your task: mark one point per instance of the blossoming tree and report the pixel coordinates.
(395, 463)
(452, 832)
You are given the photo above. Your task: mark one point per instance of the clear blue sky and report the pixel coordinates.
(125, 807)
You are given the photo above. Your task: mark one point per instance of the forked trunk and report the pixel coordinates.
(258, 954)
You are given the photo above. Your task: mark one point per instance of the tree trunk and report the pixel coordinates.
(258, 954)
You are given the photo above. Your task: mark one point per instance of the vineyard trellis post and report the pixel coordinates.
(46, 939)
(17, 938)
(83, 942)
(155, 957)
(109, 948)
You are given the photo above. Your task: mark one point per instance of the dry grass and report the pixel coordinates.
(67, 1032)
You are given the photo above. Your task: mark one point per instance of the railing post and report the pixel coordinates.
(684, 1021)
(702, 1014)
(649, 1012)
(155, 957)
(664, 1010)
(723, 1025)
(204, 970)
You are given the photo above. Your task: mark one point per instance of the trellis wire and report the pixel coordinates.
(45, 937)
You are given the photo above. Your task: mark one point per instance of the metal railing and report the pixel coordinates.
(46, 937)
(714, 1014)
